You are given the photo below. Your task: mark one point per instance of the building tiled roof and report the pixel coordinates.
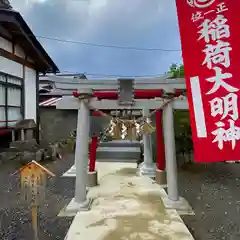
(14, 23)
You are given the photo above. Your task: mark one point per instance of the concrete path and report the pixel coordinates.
(127, 207)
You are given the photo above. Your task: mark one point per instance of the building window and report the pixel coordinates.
(11, 100)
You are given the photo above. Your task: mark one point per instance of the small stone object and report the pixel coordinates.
(3, 157)
(26, 157)
(55, 151)
(39, 155)
(25, 124)
(48, 152)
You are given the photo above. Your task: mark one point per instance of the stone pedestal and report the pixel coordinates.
(74, 207)
(181, 206)
(148, 170)
(26, 128)
(92, 179)
(161, 177)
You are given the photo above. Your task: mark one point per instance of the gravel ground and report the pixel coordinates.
(213, 192)
(15, 215)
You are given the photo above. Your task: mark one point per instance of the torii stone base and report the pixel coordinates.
(181, 206)
(161, 177)
(92, 180)
(74, 207)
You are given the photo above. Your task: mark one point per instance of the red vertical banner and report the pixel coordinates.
(210, 38)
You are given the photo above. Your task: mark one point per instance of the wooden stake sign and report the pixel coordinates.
(33, 178)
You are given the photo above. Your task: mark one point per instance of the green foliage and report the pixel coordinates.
(183, 132)
(183, 135)
(176, 71)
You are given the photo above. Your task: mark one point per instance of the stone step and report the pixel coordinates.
(119, 149)
(112, 160)
(118, 153)
(120, 143)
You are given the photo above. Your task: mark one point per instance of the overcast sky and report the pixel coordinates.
(134, 23)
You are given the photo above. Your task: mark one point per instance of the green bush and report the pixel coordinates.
(183, 134)
(176, 71)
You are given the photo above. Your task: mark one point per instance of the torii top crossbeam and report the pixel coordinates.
(65, 86)
(109, 88)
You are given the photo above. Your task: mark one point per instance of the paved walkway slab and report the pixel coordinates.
(127, 207)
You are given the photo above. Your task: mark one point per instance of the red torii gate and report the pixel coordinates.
(103, 95)
(138, 94)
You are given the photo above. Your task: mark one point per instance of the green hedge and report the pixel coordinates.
(183, 135)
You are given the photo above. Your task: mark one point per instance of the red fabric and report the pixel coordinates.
(146, 94)
(93, 154)
(113, 95)
(161, 165)
(97, 114)
(221, 18)
(179, 92)
(75, 93)
(3, 131)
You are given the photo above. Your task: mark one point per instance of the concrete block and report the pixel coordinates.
(120, 153)
(181, 206)
(120, 143)
(74, 207)
(92, 179)
(161, 177)
(26, 157)
(39, 155)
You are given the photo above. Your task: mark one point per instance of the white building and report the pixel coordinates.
(22, 59)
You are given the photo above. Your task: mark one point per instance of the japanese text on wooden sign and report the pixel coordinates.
(210, 39)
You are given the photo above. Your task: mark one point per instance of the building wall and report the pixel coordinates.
(11, 67)
(5, 44)
(27, 74)
(19, 51)
(30, 93)
(57, 124)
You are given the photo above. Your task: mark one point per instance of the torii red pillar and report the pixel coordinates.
(92, 173)
(93, 153)
(161, 164)
(160, 142)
